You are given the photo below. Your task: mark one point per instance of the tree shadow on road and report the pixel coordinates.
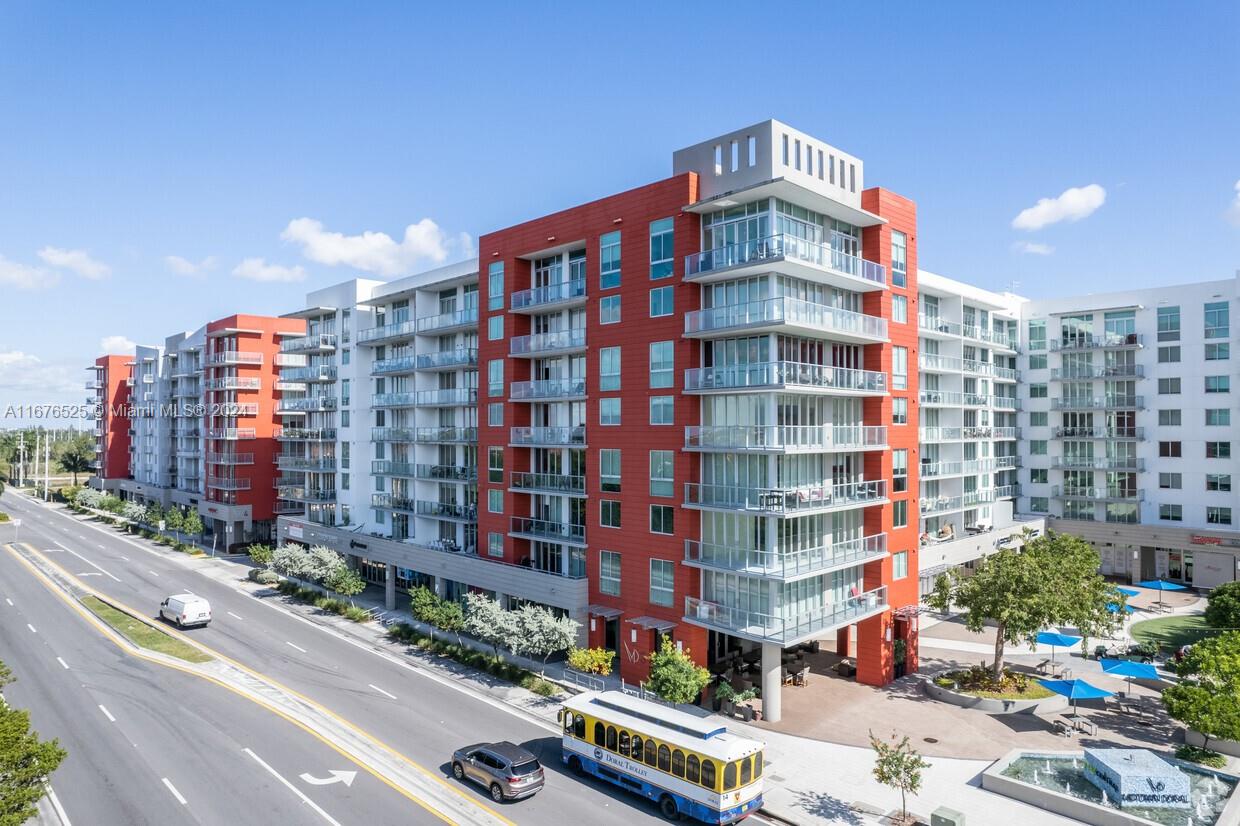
(832, 809)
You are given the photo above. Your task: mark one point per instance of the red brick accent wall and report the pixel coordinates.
(115, 417)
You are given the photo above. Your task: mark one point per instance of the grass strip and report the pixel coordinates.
(143, 635)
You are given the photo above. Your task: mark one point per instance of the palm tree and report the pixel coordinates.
(78, 456)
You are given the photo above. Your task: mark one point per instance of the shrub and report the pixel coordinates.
(1196, 754)
(356, 614)
(1223, 608)
(252, 574)
(539, 686)
(4, 517)
(261, 554)
(268, 577)
(591, 660)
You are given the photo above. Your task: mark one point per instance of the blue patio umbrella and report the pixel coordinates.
(1113, 607)
(1054, 638)
(1161, 585)
(1129, 669)
(1129, 592)
(1076, 690)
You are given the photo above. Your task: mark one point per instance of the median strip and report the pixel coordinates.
(143, 635)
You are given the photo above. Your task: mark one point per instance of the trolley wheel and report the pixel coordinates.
(667, 806)
(575, 766)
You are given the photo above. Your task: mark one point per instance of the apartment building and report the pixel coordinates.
(1130, 429)
(110, 390)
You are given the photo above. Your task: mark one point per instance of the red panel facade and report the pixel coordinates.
(113, 441)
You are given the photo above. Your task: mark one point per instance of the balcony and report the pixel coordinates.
(948, 504)
(233, 383)
(784, 438)
(320, 464)
(804, 625)
(1099, 402)
(785, 375)
(786, 315)
(406, 399)
(187, 392)
(1007, 491)
(222, 483)
(543, 344)
(1100, 494)
(446, 510)
(994, 339)
(937, 327)
(948, 398)
(539, 299)
(1098, 463)
(397, 366)
(299, 494)
(284, 508)
(319, 372)
(957, 434)
(935, 363)
(448, 359)
(233, 357)
(388, 333)
(967, 467)
(308, 345)
(228, 458)
(287, 360)
(556, 484)
(786, 564)
(290, 386)
(1137, 433)
(312, 404)
(448, 322)
(547, 390)
(303, 434)
(1084, 373)
(94, 385)
(446, 435)
(787, 254)
(547, 436)
(1107, 341)
(188, 452)
(230, 433)
(523, 527)
(439, 473)
(448, 397)
(785, 501)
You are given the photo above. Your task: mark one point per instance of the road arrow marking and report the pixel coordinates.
(337, 776)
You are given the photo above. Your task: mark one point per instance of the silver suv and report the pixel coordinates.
(507, 771)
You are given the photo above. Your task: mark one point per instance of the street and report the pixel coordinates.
(196, 735)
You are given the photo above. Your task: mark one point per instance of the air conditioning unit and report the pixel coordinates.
(944, 816)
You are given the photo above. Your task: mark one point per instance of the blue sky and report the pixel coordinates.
(131, 134)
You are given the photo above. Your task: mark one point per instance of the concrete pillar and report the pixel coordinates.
(843, 641)
(389, 588)
(441, 587)
(351, 561)
(772, 681)
(501, 599)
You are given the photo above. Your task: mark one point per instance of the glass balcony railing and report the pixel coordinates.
(551, 294)
(553, 483)
(229, 458)
(968, 467)
(230, 433)
(946, 504)
(446, 435)
(437, 473)
(785, 310)
(393, 502)
(448, 397)
(222, 483)
(547, 389)
(1096, 342)
(393, 434)
(321, 343)
(541, 529)
(320, 372)
(809, 498)
(394, 366)
(761, 438)
(467, 317)
(1007, 491)
(784, 374)
(322, 464)
(934, 324)
(1086, 403)
(233, 383)
(991, 337)
(539, 343)
(396, 331)
(548, 436)
(1098, 432)
(447, 510)
(949, 398)
(233, 357)
(785, 630)
(309, 404)
(1086, 372)
(785, 563)
(1098, 463)
(1111, 493)
(460, 357)
(788, 247)
(407, 399)
(305, 434)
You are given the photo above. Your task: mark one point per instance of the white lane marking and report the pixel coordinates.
(381, 691)
(286, 642)
(152, 573)
(64, 664)
(90, 573)
(9, 601)
(293, 789)
(107, 714)
(56, 807)
(88, 562)
(32, 629)
(174, 791)
(101, 547)
(234, 616)
(124, 557)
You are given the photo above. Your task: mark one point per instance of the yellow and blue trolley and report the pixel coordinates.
(689, 765)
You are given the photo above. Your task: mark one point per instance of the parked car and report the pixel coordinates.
(185, 609)
(505, 770)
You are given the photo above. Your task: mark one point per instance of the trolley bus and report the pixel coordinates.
(689, 765)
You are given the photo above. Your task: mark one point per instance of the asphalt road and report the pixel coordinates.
(421, 715)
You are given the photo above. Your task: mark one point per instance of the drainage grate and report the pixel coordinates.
(930, 739)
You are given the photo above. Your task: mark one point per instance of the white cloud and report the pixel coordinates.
(24, 277)
(1072, 205)
(78, 261)
(1233, 211)
(116, 345)
(25, 373)
(183, 266)
(257, 269)
(1031, 248)
(373, 252)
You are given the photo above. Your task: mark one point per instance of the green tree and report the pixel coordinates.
(174, 520)
(260, 554)
(486, 620)
(192, 523)
(674, 675)
(898, 765)
(1207, 698)
(1050, 580)
(76, 455)
(25, 762)
(153, 514)
(346, 582)
(591, 660)
(1223, 608)
(542, 633)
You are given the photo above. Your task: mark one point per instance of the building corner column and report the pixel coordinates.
(389, 587)
(772, 681)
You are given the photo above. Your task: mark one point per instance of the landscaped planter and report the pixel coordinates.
(1194, 738)
(1046, 705)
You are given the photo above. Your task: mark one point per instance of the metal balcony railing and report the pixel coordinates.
(547, 389)
(320, 343)
(789, 247)
(548, 436)
(550, 294)
(553, 483)
(529, 528)
(785, 630)
(446, 510)
(784, 563)
(447, 321)
(763, 438)
(442, 473)
(784, 374)
(785, 310)
(796, 500)
(540, 343)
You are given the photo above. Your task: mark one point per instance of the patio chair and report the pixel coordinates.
(801, 676)
(1061, 727)
(787, 677)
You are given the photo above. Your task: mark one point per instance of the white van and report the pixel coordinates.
(185, 609)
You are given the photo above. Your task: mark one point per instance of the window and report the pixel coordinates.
(678, 763)
(1037, 391)
(662, 410)
(662, 476)
(1171, 513)
(899, 259)
(609, 260)
(899, 470)
(661, 301)
(729, 776)
(624, 743)
(899, 411)
(1218, 482)
(1168, 323)
(344, 418)
(600, 734)
(1214, 352)
(609, 309)
(1218, 384)
(1037, 447)
(495, 285)
(665, 758)
(1169, 386)
(751, 143)
(1039, 418)
(495, 377)
(1218, 516)
(638, 749)
(495, 414)
(609, 583)
(1218, 450)
(1169, 354)
(344, 455)
(899, 565)
(746, 771)
(495, 544)
(1169, 450)
(611, 738)
(899, 513)
(693, 770)
(1218, 417)
(1038, 476)
(1169, 418)
(1039, 504)
(1037, 334)
(495, 501)
(609, 469)
(495, 464)
(708, 773)
(1037, 361)
(609, 513)
(344, 480)
(1170, 481)
(1217, 320)
(662, 584)
(345, 385)
(609, 368)
(661, 256)
(609, 411)
(899, 368)
(899, 309)
(345, 357)
(662, 364)
(662, 519)
(495, 328)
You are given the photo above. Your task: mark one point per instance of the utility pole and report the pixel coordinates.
(37, 436)
(47, 470)
(21, 458)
